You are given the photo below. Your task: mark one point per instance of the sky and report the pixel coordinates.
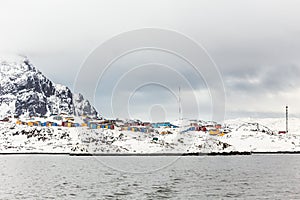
(253, 48)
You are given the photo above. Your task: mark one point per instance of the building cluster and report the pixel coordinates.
(64, 120)
(211, 127)
(134, 126)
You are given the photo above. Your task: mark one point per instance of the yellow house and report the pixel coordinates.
(214, 132)
(69, 118)
(69, 124)
(221, 134)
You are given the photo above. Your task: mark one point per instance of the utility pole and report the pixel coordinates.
(287, 119)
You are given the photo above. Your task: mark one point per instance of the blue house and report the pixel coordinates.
(77, 125)
(163, 124)
(93, 126)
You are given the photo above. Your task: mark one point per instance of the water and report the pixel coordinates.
(63, 177)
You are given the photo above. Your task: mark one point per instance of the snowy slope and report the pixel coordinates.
(24, 90)
(19, 138)
(275, 124)
(261, 134)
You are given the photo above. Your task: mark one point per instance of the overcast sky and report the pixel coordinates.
(254, 44)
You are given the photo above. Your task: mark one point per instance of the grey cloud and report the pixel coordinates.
(254, 43)
(272, 79)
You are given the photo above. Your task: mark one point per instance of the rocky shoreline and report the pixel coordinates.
(233, 153)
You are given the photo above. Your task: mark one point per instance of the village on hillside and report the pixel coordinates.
(65, 133)
(70, 121)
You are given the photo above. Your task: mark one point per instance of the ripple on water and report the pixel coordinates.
(51, 177)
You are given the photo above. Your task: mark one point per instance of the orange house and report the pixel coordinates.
(84, 125)
(30, 123)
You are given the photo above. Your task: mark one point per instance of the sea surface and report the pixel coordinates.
(219, 177)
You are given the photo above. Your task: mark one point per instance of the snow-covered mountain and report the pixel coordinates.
(24, 90)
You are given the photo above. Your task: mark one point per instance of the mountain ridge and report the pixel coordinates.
(24, 90)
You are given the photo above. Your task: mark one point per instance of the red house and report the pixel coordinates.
(218, 126)
(281, 132)
(203, 128)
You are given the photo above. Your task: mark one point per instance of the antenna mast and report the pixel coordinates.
(287, 118)
(179, 103)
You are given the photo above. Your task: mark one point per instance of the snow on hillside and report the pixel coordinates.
(257, 141)
(20, 138)
(252, 134)
(275, 124)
